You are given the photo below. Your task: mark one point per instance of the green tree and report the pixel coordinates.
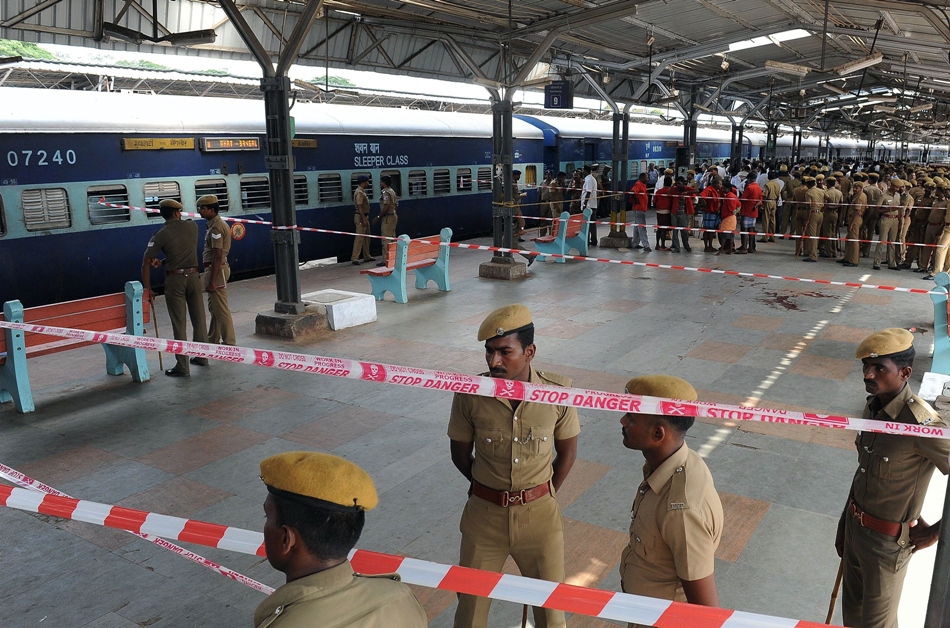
(142, 64)
(25, 49)
(213, 72)
(336, 81)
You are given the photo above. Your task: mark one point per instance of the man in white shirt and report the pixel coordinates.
(589, 192)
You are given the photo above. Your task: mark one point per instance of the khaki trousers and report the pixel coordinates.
(813, 230)
(940, 256)
(889, 233)
(768, 219)
(874, 570)
(902, 237)
(183, 297)
(852, 250)
(221, 327)
(360, 243)
(931, 233)
(533, 535)
(799, 223)
(388, 230)
(546, 212)
(829, 229)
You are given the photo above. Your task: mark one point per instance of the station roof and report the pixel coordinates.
(694, 55)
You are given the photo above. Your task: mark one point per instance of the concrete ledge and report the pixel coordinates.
(615, 241)
(344, 309)
(502, 270)
(293, 326)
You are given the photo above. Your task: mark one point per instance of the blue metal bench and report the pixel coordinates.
(569, 232)
(425, 256)
(104, 314)
(941, 361)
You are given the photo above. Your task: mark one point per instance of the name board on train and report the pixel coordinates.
(221, 144)
(158, 143)
(303, 143)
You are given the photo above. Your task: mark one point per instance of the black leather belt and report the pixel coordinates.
(182, 271)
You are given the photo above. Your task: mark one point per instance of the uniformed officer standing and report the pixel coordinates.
(815, 202)
(881, 526)
(388, 203)
(890, 220)
(677, 516)
(858, 209)
(523, 453)
(178, 241)
(834, 202)
(315, 511)
(361, 222)
(217, 272)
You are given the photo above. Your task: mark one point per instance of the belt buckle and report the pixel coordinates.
(512, 498)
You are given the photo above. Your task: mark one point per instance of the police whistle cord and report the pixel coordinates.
(622, 262)
(593, 222)
(510, 588)
(450, 381)
(26, 482)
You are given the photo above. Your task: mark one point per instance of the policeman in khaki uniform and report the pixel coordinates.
(881, 526)
(388, 203)
(315, 510)
(361, 222)
(217, 272)
(523, 453)
(814, 201)
(936, 221)
(677, 515)
(178, 241)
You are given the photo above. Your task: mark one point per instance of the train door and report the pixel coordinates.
(590, 151)
(550, 159)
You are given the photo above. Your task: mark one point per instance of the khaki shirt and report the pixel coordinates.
(338, 598)
(514, 449)
(874, 194)
(772, 190)
(361, 202)
(798, 198)
(923, 209)
(938, 212)
(894, 471)
(859, 207)
(834, 200)
(816, 198)
(675, 529)
(844, 184)
(217, 236)
(178, 240)
(388, 202)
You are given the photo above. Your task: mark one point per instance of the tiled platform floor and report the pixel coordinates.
(191, 447)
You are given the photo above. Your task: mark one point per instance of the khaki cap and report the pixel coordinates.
(783, 168)
(837, 173)
(873, 176)
(819, 177)
(808, 179)
(207, 199)
(665, 386)
(320, 480)
(504, 320)
(170, 203)
(883, 343)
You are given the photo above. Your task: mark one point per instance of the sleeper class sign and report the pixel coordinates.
(559, 95)
(220, 144)
(158, 143)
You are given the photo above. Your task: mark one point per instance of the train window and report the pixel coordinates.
(441, 182)
(157, 191)
(301, 196)
(330, 188)
(354, 182)
(531, 175)
(463, 179)
(417, 183)
(569, 169)
(44, 209)
(484, 180)
(395, 180)
(101, 214)
(218, 187)
(634, 170)
(255, 192)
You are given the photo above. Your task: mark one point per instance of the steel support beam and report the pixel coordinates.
(503, 154)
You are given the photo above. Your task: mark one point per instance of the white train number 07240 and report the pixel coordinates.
(40, 158)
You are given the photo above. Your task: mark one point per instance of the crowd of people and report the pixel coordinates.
(893, 213)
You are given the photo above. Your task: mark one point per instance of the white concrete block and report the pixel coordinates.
(344, 309)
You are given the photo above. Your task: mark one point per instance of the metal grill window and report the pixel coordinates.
(101, 214)
(417, 183)
(46, 208)
(531, 175)
(395, 180)
(255, 193)
(157, 191)
(442, 182)
(218, 187)
(330, 188)
(354, 182)
(634, 169)
(484, 179)
(301, 196)
(463, 179)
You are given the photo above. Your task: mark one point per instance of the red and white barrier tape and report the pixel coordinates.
(518, 589)
(26, 482)
(623, 262)
(480, 385)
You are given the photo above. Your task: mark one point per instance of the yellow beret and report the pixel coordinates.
(504, 320)
(661, 386)
(170, 203)
(837, 173)
(783, 168)
(883, 343)
(320, 480)
(207, 199)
